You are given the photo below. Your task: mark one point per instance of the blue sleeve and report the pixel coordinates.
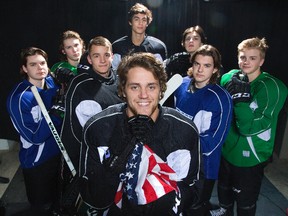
(27, 117)
(215, 122)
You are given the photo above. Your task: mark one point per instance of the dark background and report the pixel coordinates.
(226, 23)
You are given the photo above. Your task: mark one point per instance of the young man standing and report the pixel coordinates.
(258, 98)
(71, 49)
(139, 18)
(192, 39)
(94, 89)
(139, 156)
(39, 154)
(209, 105)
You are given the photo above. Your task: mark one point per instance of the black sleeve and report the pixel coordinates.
(98, 184)
(192, 186)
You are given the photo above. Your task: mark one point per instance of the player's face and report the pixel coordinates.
(36, 68)
(250, 61)
(72, 49)
(100, 57)
(139, 23)
(142, 92)
(203, 69)
(192, 42)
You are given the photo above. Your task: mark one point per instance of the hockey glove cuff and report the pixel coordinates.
(63, 75)
(239, 88)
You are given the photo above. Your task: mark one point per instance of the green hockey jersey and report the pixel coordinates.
(250, 140)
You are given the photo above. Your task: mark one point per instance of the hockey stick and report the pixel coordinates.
(71, 196)
(173, 83)
(53, 130)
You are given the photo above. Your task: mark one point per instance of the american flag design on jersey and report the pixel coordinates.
(146, 178)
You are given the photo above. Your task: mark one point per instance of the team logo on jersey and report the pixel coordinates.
(246, 153)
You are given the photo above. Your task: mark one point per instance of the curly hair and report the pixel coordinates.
(140, 8)
(146, 61)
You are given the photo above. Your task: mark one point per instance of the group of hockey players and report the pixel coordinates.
(132, 156)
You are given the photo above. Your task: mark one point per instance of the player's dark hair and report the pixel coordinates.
(142, 9)
(208, 50)
(30, 51)
(196, 29)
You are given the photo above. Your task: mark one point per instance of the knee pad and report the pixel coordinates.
(225, 196)
(246, 210)
(196, 210)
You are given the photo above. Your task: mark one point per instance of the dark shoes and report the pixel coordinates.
(4, 180)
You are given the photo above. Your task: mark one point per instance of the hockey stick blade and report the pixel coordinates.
(173, 83)
(53, 130)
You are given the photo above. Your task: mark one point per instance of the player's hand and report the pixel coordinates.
(63, 75)
(140, 127)
(57, 110)
(58, 107)
(239, 88)
(178, 63)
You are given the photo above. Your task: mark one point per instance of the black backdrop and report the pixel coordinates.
(226, 23)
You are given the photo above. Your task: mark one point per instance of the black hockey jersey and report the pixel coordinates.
(87, 94)
(174, 139)
(124, 46)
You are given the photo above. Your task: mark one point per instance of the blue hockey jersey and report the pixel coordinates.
(37, 143)
(211, 110)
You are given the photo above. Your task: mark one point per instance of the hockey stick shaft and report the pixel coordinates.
(53, 130)
(173, 83)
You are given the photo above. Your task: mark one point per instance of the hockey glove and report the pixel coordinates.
(239, 88)
(116, 163)
(140, 127)
(63, 75)
(178, 63)
(58, 108)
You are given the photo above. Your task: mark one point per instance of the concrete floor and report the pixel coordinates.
(9, 164)
(273, 199)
